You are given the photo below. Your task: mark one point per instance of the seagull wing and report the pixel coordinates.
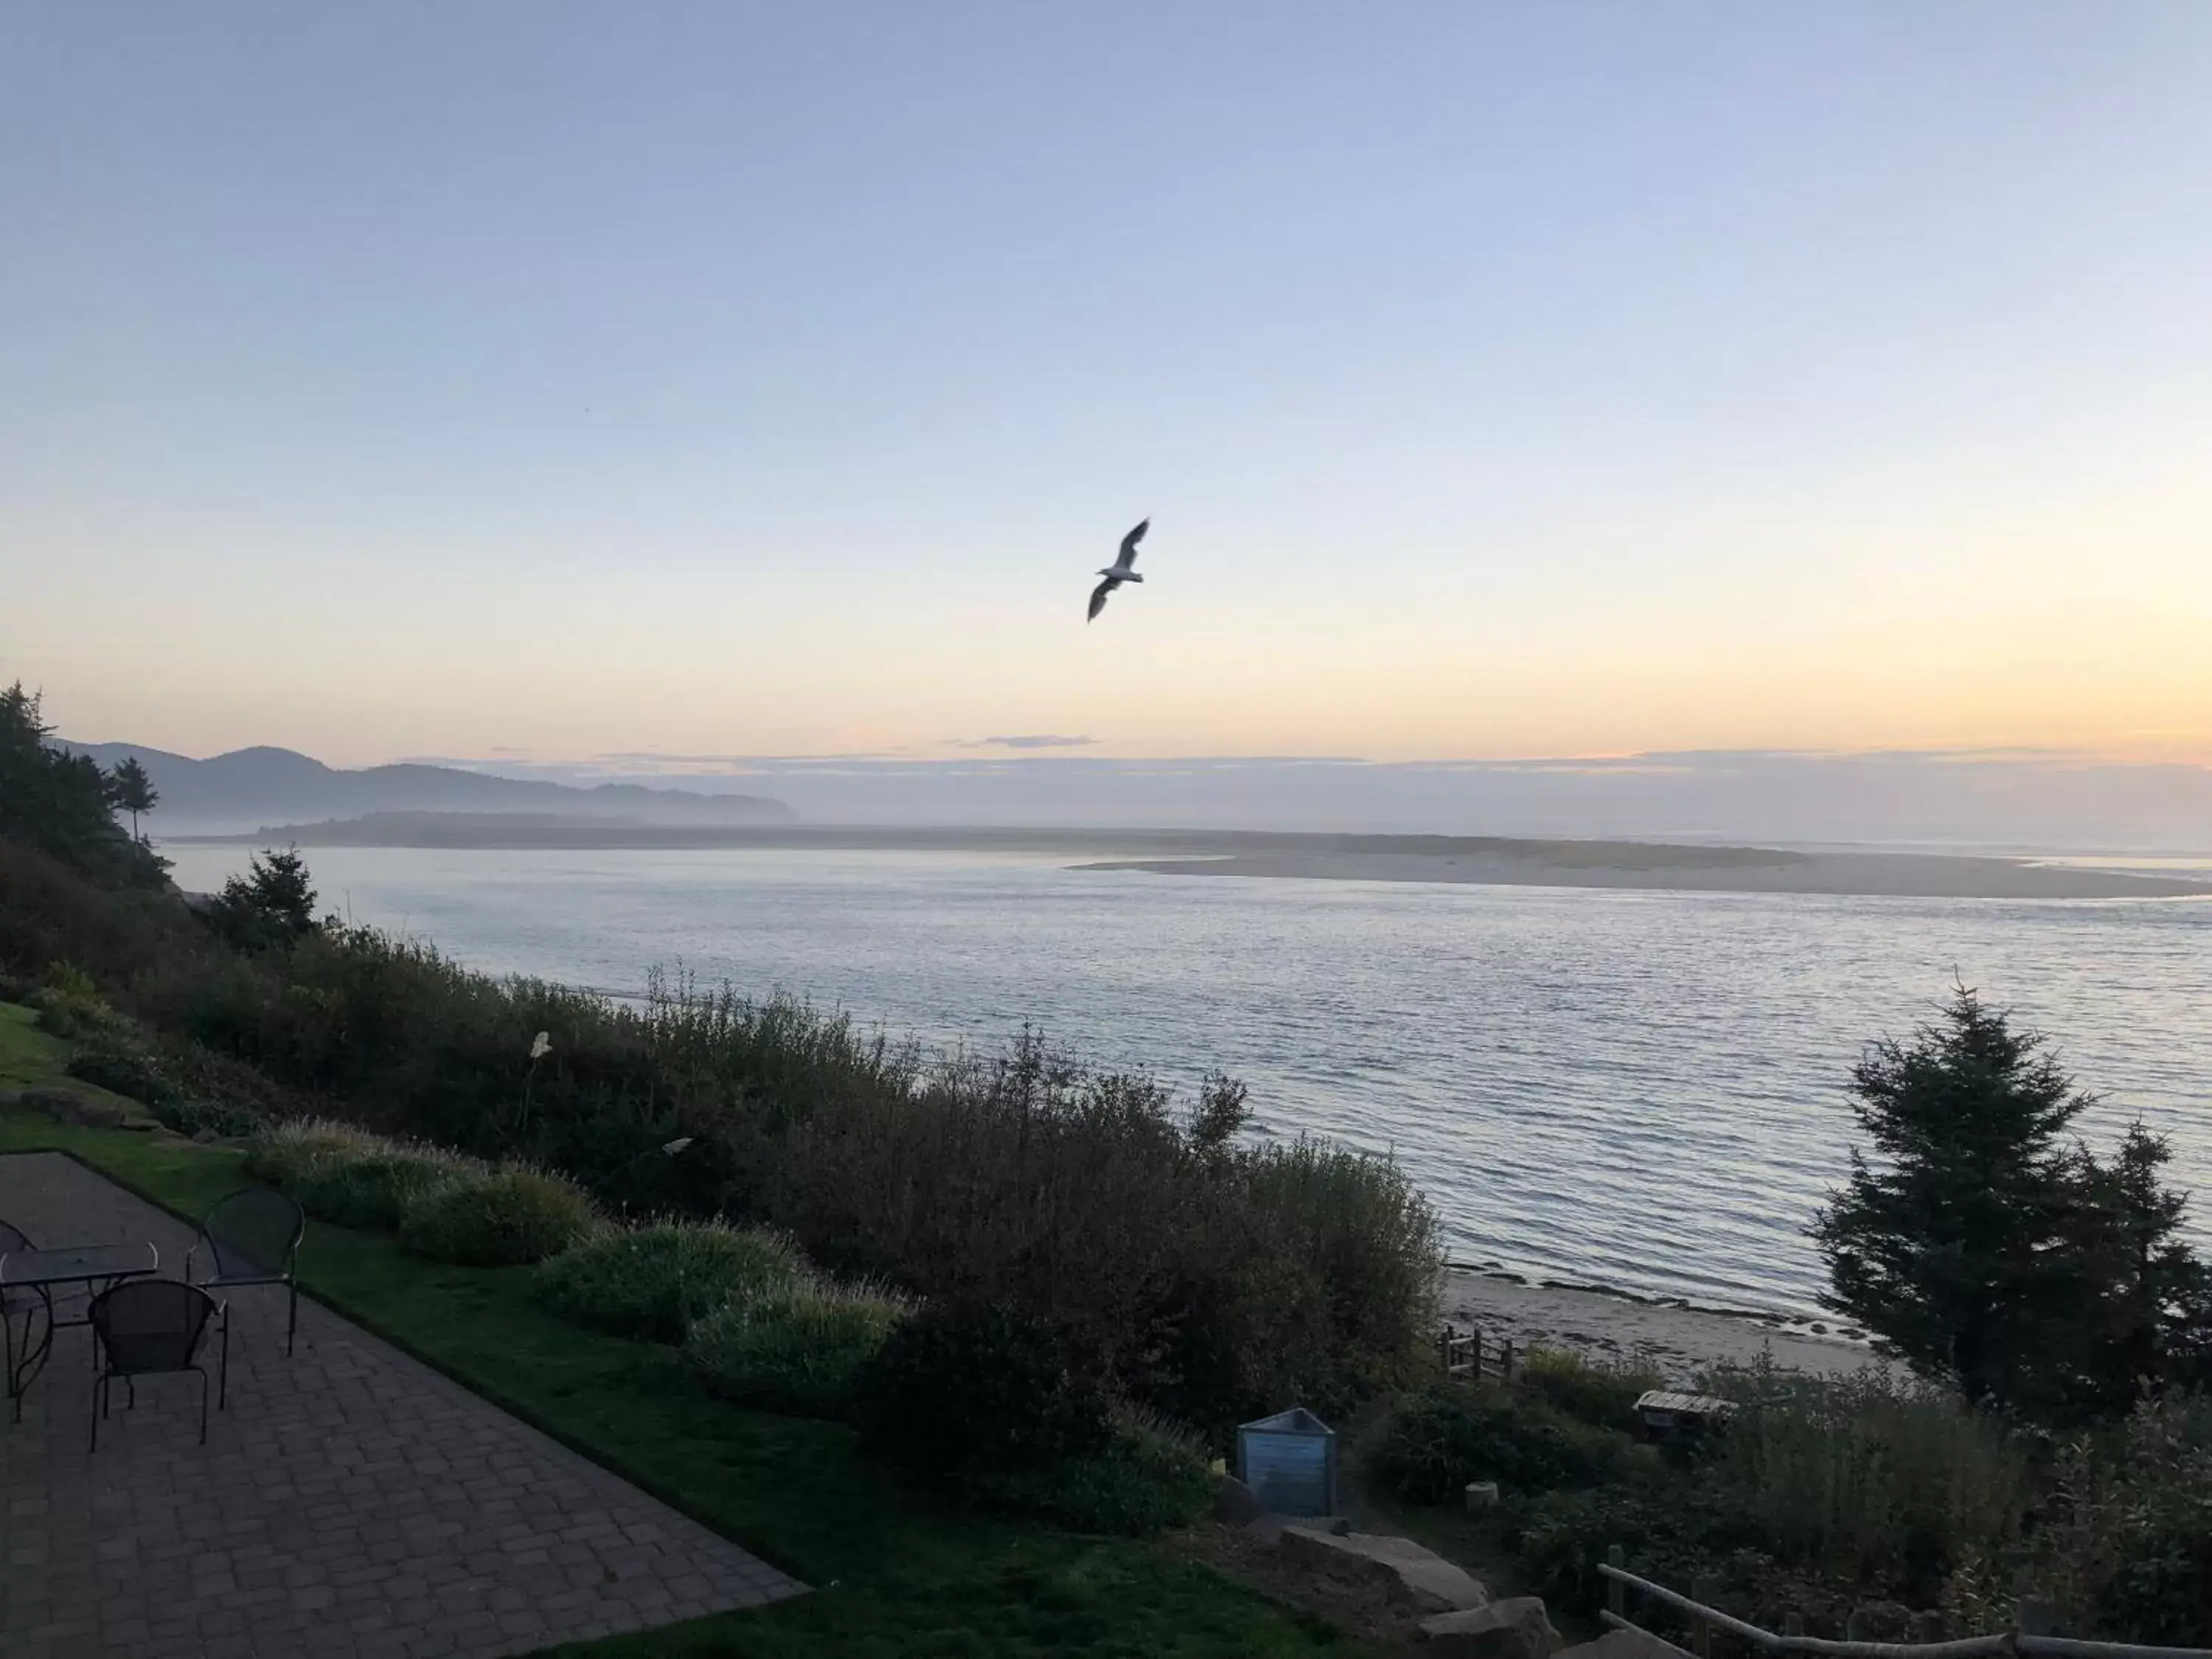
(1098, 597)
(1129, 544)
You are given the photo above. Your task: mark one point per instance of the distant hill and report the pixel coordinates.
(249, 787)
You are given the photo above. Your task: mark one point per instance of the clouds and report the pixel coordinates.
(1039, 740)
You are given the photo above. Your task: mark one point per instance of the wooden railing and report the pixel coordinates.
(1462, 1353)
(2028, 1637)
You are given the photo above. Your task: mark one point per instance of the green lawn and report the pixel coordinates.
(29, 1059)
(894, 1573)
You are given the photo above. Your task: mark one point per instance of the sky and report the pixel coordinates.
(539, 382)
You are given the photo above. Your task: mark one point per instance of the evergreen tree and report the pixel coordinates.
(2152, 1321)
(59, 802)
(1953, 1247)
(273, 903)
(132, 791)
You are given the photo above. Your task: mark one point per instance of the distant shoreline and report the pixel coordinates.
(1486, 861)
(1861, 875)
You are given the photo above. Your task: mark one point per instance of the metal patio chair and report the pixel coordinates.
(251, 1237)
(146, 1327)
(13, 1238)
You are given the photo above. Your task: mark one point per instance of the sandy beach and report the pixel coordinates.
(1870, 875)
(1680, 1341)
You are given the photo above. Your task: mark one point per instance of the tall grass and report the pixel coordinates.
(1882, 1472)
(654, 1282)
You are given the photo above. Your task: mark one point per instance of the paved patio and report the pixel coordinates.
(352, 1503)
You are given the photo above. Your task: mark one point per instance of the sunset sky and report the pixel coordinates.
(558, 381)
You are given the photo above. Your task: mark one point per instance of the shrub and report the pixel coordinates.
(377, 1186)
(123, 1069)
(175, 1083)
(800, 1348)
(1893, 1477)
(2130, 1554)
(970, 1388)
(653, 1282)
(1599, 1392)
(512, 1217)
(283, 1153)
(1822, 1494)
(1450, 1434)
(1149, 1477)
(70, 1005)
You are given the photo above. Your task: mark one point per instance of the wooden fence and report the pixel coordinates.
(2028, 1636)
(1462, 1354)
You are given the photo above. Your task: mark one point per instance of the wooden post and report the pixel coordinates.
(1616, 1593)
(1505, 1360)
(1792, 1626)
(1444, 1351)
(1706, 1590)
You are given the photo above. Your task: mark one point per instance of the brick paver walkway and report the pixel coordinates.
(351, 1504)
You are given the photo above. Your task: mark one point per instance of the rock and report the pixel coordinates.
(1516, 1628)
(1621, 1644)
(205, 1137)
(1411, 1575)
(1482, 1494)
(1235, 1503)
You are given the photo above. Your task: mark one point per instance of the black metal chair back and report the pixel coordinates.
(146, 1326)
(254, 1233)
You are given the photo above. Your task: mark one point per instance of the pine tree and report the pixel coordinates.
(57, 801)
(132, 790)
(273, 903)
(1953, 1247)
(2152, 1324)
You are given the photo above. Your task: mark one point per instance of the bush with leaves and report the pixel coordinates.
(513, 1217)
(1150, 1476)
(283, 1154)
(800, 1348)
(71, 1006)
(1452, 1433)
(1599, 1392)
(123, 1068)
(2128, 1552)
(654, 1282)
(968, 1388)
(376, 1187)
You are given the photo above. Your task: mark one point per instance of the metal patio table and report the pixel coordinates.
(42, 1272)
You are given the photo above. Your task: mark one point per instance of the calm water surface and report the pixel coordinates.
(1641, 1089)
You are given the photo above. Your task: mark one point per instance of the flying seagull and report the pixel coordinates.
(1122, 570)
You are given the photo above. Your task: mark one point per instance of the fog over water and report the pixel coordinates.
(1643, 1088)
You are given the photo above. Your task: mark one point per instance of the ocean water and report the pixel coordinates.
(1645, 1089)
